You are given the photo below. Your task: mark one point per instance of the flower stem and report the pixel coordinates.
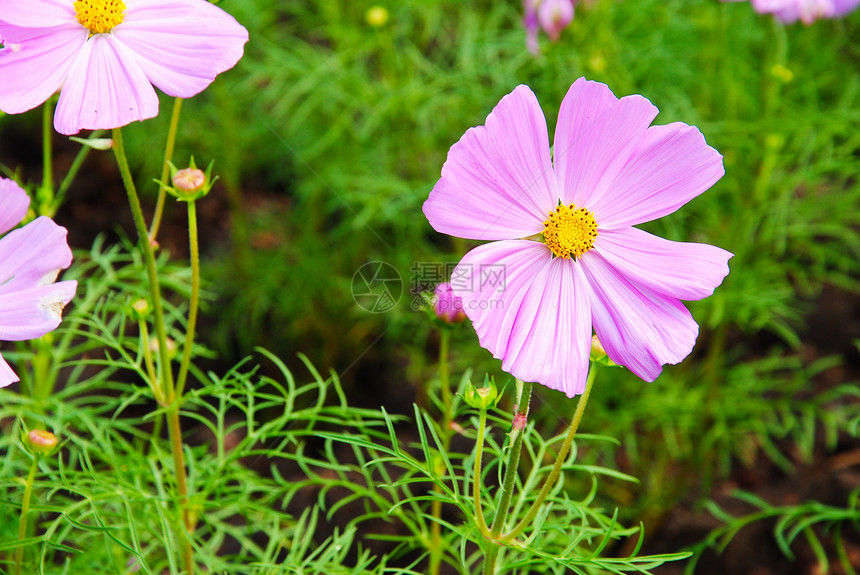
(559, 461)
(72, 172)
(436, 507)
(47, 162)
(25, 509)
(166, 387)
(175, 431)
(195, 297)
(517, 433)
(165, 169)
(166, 383)
(476, 476)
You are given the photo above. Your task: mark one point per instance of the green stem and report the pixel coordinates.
(476, 476)
(166, 383)
(559, 461)
(195, 297)
(72, 173)
(47, 130)
(25, 509)
(445, 382)
(165, 170)
(175, 431)
(166, 386)
(436, 507)
(518, 431)
(147, 359)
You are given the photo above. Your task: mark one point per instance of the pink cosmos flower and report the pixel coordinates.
(107, 54)
(31, 303)
(551, 15)
(807, 11)
(568, 257)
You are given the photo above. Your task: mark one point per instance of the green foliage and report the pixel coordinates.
(812, 519)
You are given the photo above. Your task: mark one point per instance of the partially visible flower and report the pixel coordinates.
(447, 305)
(105, 55)
(31, 257)
(571, 258)
(807, 11)
(552, 16)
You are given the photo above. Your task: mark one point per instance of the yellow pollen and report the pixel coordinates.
(570, 231)
(99, 16)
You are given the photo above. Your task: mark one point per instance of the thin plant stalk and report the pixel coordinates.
(72, 172)
(559, 461)
(166, 386)
(165, 169)
(166, 379)
(476, 475)
(436, 507)
(47, 152)
(518, 431)
(195, 297)
(25, 509)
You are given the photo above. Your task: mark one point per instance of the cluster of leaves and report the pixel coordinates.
(273, 465)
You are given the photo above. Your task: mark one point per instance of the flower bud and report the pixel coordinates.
(598, 354)
(171, 346)
(139, 309)
(191, 183)
(41, 441)
(447, 305)
(189, 180)
(482, 397)
(376, 16)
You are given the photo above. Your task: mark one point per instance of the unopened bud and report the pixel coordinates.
(139, 309)
(447, 305)
(482, 397)
(41, 441)
(171, 346)
(376, 16)
(189, 180)
(598, 353)
(189, 184)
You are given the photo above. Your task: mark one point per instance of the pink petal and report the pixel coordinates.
(14, 202)
(537, 320)
(36, 63)
(181, 45)
(686, 271)
(33, 255)
(639, 328)
(37, 13)
(672, 164)
(32, 312)
(497, 182)
(7, 376)
(595, 135)
(106, 88)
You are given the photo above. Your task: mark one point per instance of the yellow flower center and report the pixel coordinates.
(99, 16)
(570, 231)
